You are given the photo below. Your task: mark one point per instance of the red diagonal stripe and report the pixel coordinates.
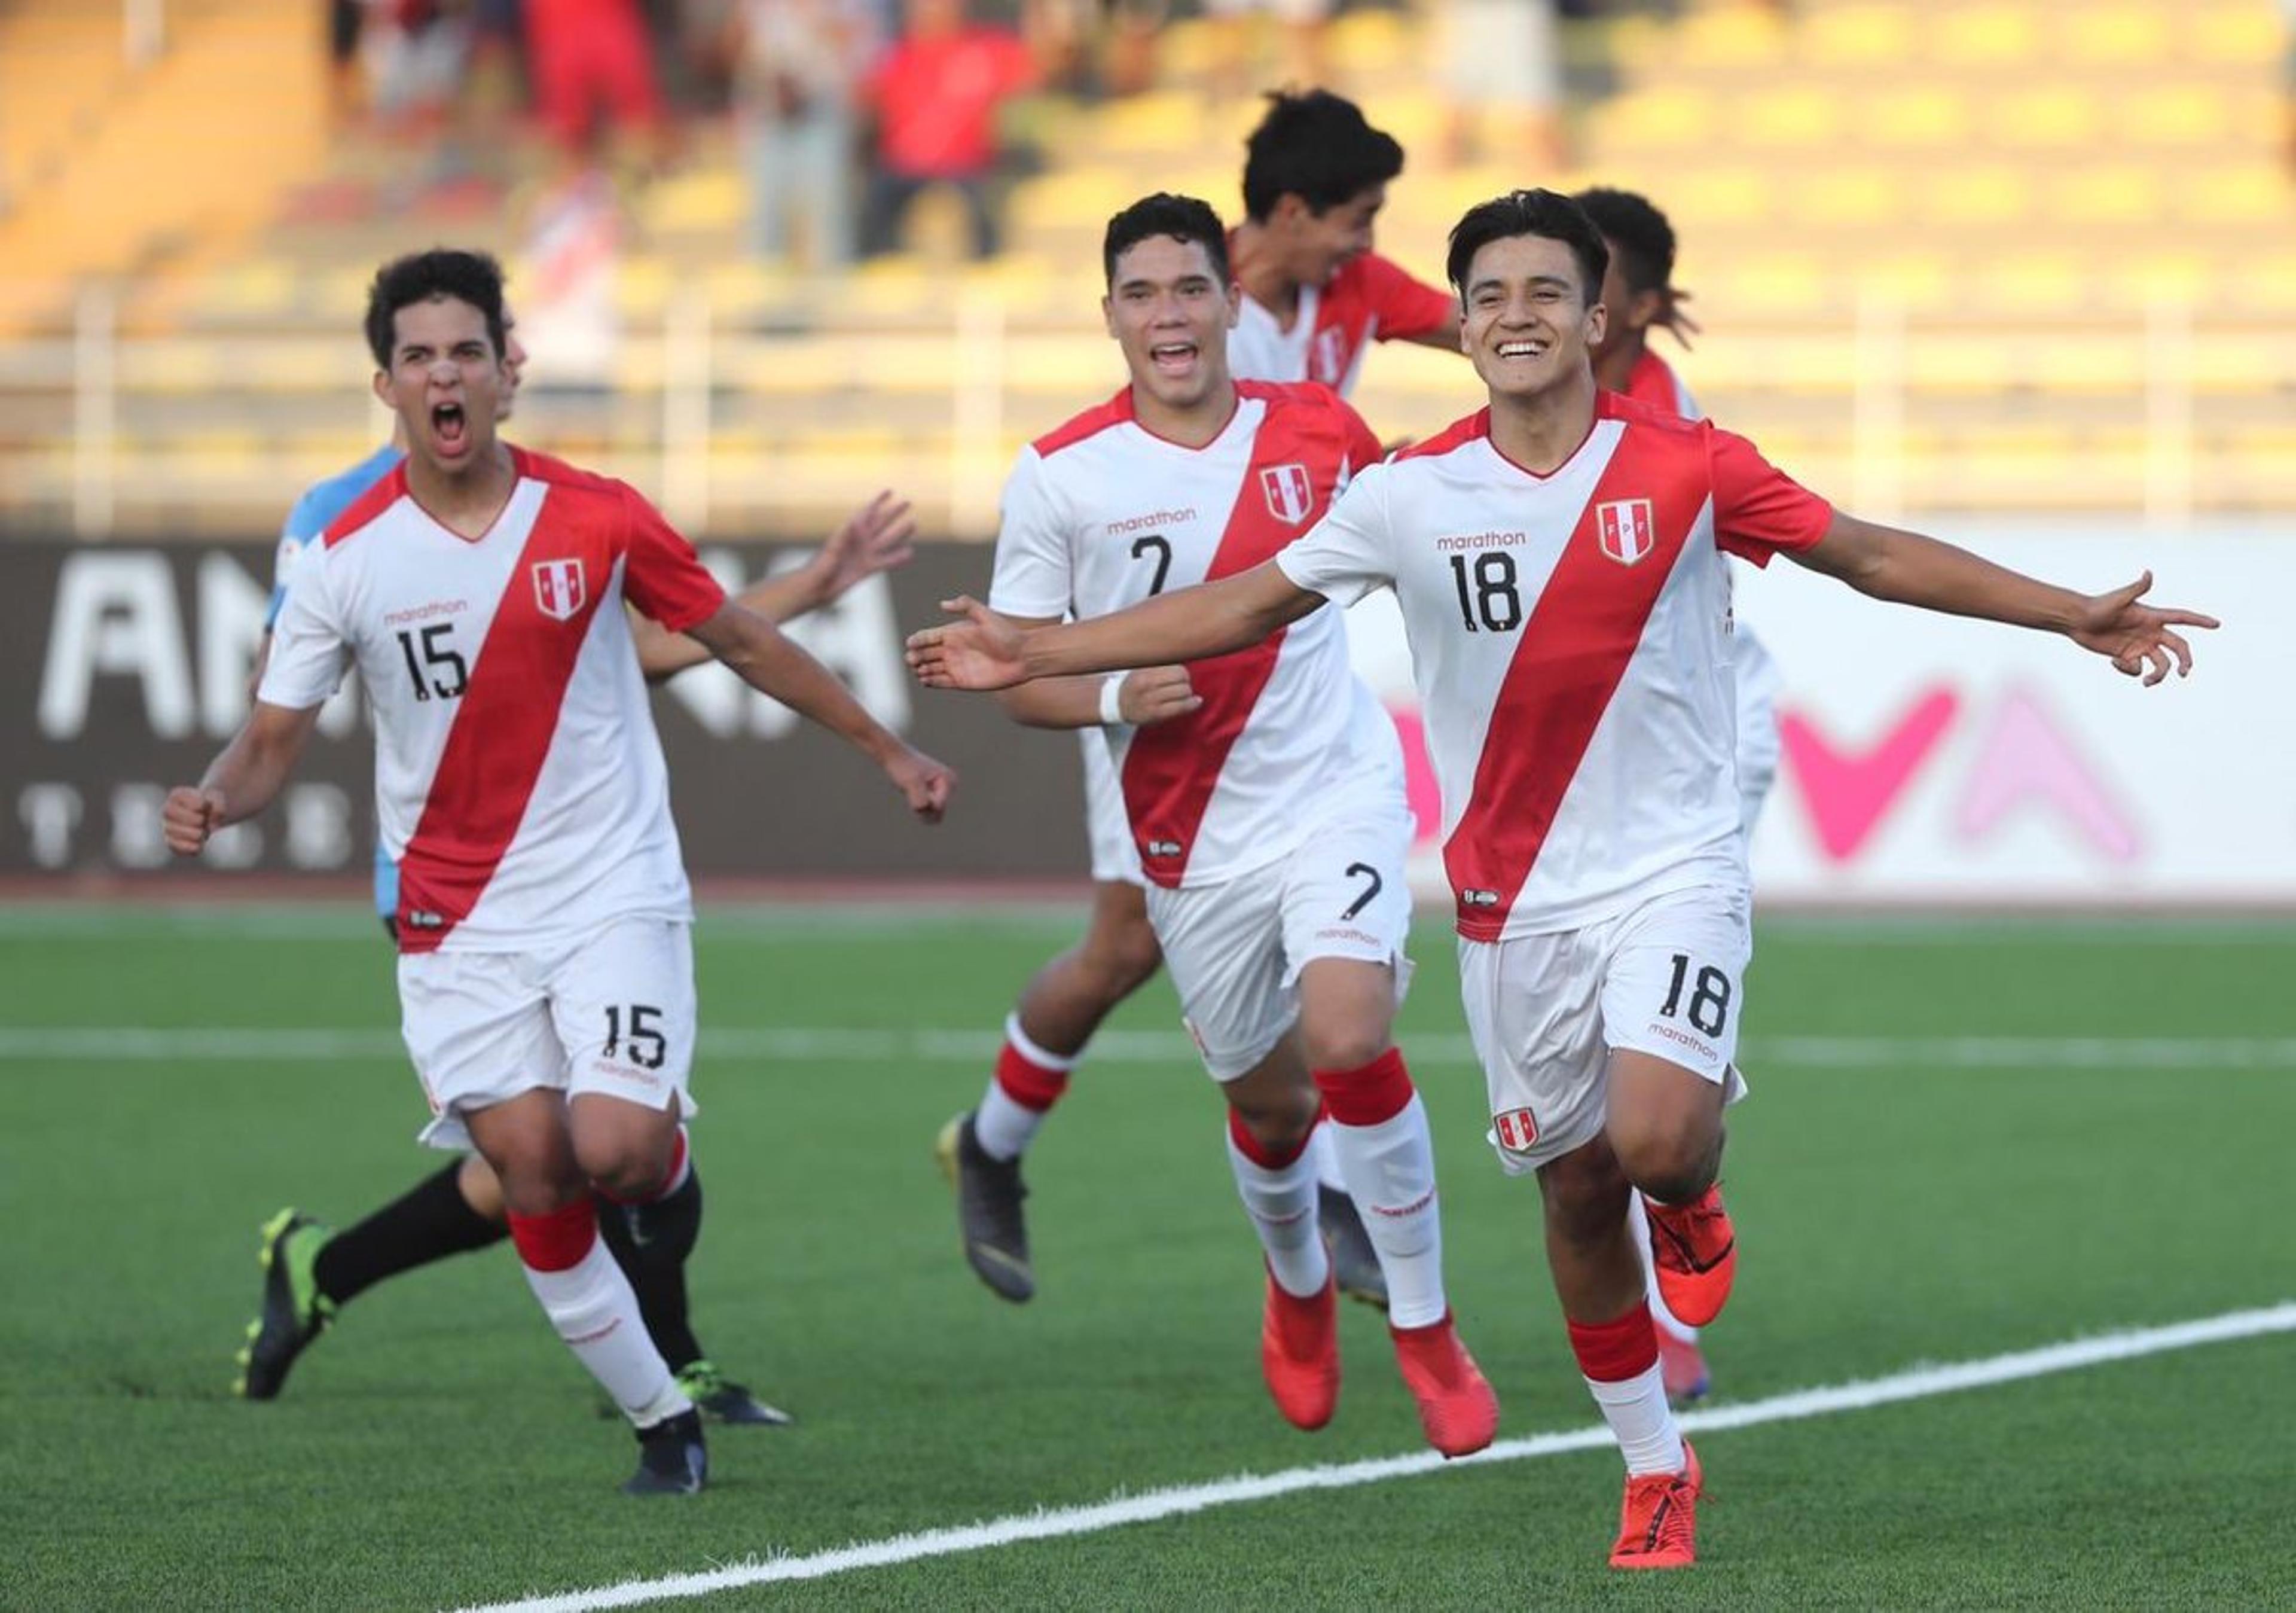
(501, 733)
(1171, 768)
(1575, 647)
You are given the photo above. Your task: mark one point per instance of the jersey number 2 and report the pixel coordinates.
(1158, 545)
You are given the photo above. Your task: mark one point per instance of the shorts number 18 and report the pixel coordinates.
(1709, 1003)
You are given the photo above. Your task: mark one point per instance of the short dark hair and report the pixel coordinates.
(473, 277)
(1642, 238)
(1535, 212)
(1183, 217)
(1318, 147)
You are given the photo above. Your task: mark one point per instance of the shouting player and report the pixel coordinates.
(1264, 794)
(545, 971)
(1315, 296)
(310, 1271)
(1558, 559)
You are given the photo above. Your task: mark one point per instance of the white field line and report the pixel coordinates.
(281, 1044)
(1920, 1383)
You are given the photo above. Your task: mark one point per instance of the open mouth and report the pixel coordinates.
(1173, 358)
(1523, 349)
(447, 425)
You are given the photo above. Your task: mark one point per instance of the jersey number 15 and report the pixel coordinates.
(437, 669)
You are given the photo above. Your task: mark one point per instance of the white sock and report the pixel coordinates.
(1635, 1409)
(1004, 1125)
(1388, 1170)
(1282, 1205)
(1638, 1224)
(1327, 1160)
(591, 1305)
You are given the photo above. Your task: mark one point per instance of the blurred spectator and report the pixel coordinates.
(415, 51)
(936, 93)
(1306, 60)
(797, 68)
(589, 58)
(570, 261)
(1503, 83)
(345, 94)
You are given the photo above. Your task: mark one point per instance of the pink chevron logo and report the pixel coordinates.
(2027, 759)
(1850, 791)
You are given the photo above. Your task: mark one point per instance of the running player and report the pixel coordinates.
(1558, 560)
(1264, 797)
(545, 977)
(1315, 296)
(310, 1271)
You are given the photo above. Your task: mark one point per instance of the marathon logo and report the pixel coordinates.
(1140, 523)
(1466, 543)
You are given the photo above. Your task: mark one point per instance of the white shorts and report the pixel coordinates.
(1235, 948)
(1115, 860)
(612, 1013)
(1665, 978)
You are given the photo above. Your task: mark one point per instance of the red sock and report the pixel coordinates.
(557, 1241)
(1030, 1084)
(1611, 1352)
(1370, 1094)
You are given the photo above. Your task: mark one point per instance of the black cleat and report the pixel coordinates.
(672, 1459)
(1355, 1263)
(294, 1312)
(988, 1195)
(711, 1391)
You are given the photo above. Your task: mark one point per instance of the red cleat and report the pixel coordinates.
(1299, 1354)
(1695, 1251)
(1457, 1407)
(1658, 1523)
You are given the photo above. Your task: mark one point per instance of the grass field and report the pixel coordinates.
(1964, 1141)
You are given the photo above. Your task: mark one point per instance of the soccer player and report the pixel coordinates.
(546, 974)
(1638, 296)
(1263, 797)
(1558, 557)
(310, 1271)
(1315, 297)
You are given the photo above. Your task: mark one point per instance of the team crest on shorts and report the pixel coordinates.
(1289, 494)
(558, 587)
(1517, 1129)
(1626, 529)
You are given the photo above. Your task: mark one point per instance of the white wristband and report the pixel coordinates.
(1112, 699)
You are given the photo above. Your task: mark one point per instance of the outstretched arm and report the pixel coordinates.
(1907, 568)
(766, 659)
(986, 651)
(241, 781)
(878, 537)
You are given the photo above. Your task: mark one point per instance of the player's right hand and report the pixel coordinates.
(189, 817)
(1156, 694)
(927, 784)
(981, 651)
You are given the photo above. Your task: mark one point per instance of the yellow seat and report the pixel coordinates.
(2106, 193)
(2234, 36)
(2175, 115)
(2251, 193)
(1983, 35)
(1851, 34)
(1801, 117)
(2119, 35)
(2050, 116)
(1918, 117)
(1993, 195)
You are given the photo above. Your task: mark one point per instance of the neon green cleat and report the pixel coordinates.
(294, 1311)
(711, 1391)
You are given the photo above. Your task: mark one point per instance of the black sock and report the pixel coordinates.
(430, 1221)
(649, 1242)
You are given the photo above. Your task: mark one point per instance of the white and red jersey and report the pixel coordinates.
(1569, 641)
(518, 780)
(1652, 381)
(1102, 513)
(1369, 300)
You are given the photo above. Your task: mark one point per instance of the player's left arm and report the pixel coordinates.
(878, 537)
(1410, 309)
(1909, 568)
(987, 651)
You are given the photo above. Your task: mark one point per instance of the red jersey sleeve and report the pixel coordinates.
(662, 575)
(1405, 307)
(1758, 509)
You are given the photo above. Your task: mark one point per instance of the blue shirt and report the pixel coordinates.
(314, 513)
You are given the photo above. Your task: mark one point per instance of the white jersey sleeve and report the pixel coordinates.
(1035, 576)
(310, 650)
(1350, 553)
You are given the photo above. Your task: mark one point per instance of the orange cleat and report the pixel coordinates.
(1658, 1522)
(1695, 1251)
(1457, 1407)
(1299, 1354)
